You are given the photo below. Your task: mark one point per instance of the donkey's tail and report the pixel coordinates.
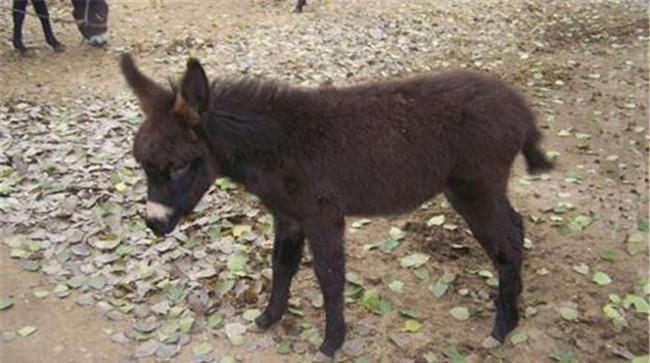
(536, 161)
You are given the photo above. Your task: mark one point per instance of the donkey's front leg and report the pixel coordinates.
(326, 243)
(287, 252)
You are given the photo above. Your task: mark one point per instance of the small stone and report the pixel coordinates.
(203, 358)
(7, 336)
(300, 347)
(410, 341)
(147, 326)
(85, 299)
(120, 338)
(26, 331)
(353, 347)
(105, 245)
(80, 249)
(184, 339)
(74, 236)
(253, 328)
(320, 357)
(623, 352)
(490, 343)
(474, 358)
(167, 351)
(141, 311)
(88, 269)
(165, 246)
(401, 340)
(233, 329)
(104, 307)
(363, 329)
(556, 333)
(113, 315)
(146, 349)
(161, 308)
(315, 297)
(198, 301)
(264, 342)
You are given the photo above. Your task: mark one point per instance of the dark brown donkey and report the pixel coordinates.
(316, 155)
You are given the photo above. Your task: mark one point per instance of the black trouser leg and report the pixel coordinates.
(18, 11)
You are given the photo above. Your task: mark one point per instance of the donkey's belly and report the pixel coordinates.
(388, 201)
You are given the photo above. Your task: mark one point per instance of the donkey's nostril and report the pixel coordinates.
(160, 227)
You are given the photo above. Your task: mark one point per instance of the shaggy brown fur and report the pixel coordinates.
(314, 156)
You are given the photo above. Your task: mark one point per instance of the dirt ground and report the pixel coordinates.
(586, 77)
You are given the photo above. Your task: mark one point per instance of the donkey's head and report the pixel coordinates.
(92, 20)
(170, 144)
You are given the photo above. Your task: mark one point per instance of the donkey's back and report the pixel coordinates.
(386, 147)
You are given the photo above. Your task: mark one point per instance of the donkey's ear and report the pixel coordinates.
(150, 94)
(194, 93)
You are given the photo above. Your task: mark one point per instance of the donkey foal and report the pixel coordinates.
(314, 156)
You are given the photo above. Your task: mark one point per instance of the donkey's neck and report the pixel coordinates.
(247, 118)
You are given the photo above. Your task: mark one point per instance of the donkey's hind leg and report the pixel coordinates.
(499, 229)
(325, 238)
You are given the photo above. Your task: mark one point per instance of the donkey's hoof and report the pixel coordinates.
(330, 346)
(58, 48)
(254, 328)
(265, 320)
(321, 357)
(490, 343)
(23, 51)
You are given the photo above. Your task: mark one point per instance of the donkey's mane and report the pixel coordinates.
(248, 116)
(253, 92)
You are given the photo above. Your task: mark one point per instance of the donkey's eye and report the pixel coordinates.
(177, 173)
